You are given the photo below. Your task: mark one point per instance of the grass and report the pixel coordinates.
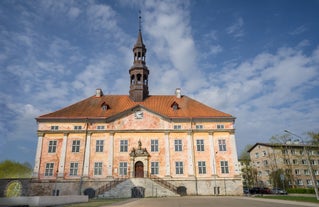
(292, 198)
(97, 202)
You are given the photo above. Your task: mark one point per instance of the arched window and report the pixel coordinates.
(132, 79)
(139, 77)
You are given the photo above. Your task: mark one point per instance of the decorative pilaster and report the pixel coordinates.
(110, 156)
(234, 153)
(38, 156)
(167, 155)
(87, 156)
(190, 154)
(212, 153)
(62, 156)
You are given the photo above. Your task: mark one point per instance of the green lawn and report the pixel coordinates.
(97, 202)
(292, 198)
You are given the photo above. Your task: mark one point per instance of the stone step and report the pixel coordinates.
(124, 189)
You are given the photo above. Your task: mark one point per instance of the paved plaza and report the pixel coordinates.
(206, 201)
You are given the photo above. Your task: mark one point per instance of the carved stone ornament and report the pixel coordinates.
(139, 152)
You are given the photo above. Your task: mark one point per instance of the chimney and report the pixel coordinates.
(178, 93)
(98, 92)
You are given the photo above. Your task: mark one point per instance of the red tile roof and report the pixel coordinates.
(117, 104)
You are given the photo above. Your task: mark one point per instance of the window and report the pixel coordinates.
(179, 168)
(265, 162)
(74, 168)
(76, 146)
(287, 161)
(224, 167)
(178, 145)
(264, 153)
(312, 162)
(177, 126)
(299, 182)
(123, 168)
(100, 127)
(54, 128)
(309, 182)
(99, 145)
(222, 145)
(49, 169)
(123, 145)
(306, 172)
(295, 162)
(256, 155)
(293, 152)
(220, 126)
(98, 168)
(200, 145)
(52, 146)
(199, 126)
(304, 162)
(154, 145)
(154, 168)
(202, 167)
(297, 171)
(77, 127)
(284, 152)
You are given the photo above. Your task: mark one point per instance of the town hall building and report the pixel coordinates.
(163, 145)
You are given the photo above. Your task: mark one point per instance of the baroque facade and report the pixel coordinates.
(107, 137)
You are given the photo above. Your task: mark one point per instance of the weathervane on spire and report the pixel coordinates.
(139, 21)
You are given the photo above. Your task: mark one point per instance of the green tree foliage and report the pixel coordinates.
(11, 169)
(314, 137)
(248, 172)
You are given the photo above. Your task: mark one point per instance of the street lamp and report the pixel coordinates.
(309, 163)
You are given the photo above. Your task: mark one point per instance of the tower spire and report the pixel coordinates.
(139, 71)
(139, 21)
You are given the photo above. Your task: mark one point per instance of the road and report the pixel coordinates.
(209, 201)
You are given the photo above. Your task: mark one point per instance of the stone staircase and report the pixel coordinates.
(152, 188)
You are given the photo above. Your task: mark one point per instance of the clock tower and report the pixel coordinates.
(139, 71)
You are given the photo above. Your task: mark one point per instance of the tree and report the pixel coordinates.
(249, 173)
(314, 137)
(11, 169)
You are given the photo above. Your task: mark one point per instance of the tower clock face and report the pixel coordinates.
(13, 189)
(138, 114)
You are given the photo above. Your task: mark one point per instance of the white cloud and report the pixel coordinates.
(236, 29)
(74, 12)
(299, 30)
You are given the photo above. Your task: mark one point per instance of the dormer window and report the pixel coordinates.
(77, 127)
(105, 106)
(54, 128)
(175, 106)
(220, 126)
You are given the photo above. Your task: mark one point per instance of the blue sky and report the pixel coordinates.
(257, 60)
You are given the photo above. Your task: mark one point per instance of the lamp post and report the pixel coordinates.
(309, 163)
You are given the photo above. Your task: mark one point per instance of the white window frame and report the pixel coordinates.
(74, 167)
(76, 145)
(52, 146)
(154, 145)
(201, 167)
(154, 168)
(222, 145)
(49, 167)
(178, 144)
(123, 168)
(98, 166)
(179, 170)
(224, 167)
(99, 147)
(123, 145)
(200, 145)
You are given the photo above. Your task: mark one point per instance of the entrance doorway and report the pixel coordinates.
(139, 169)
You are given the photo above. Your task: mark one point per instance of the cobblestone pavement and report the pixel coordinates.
(209, 201)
